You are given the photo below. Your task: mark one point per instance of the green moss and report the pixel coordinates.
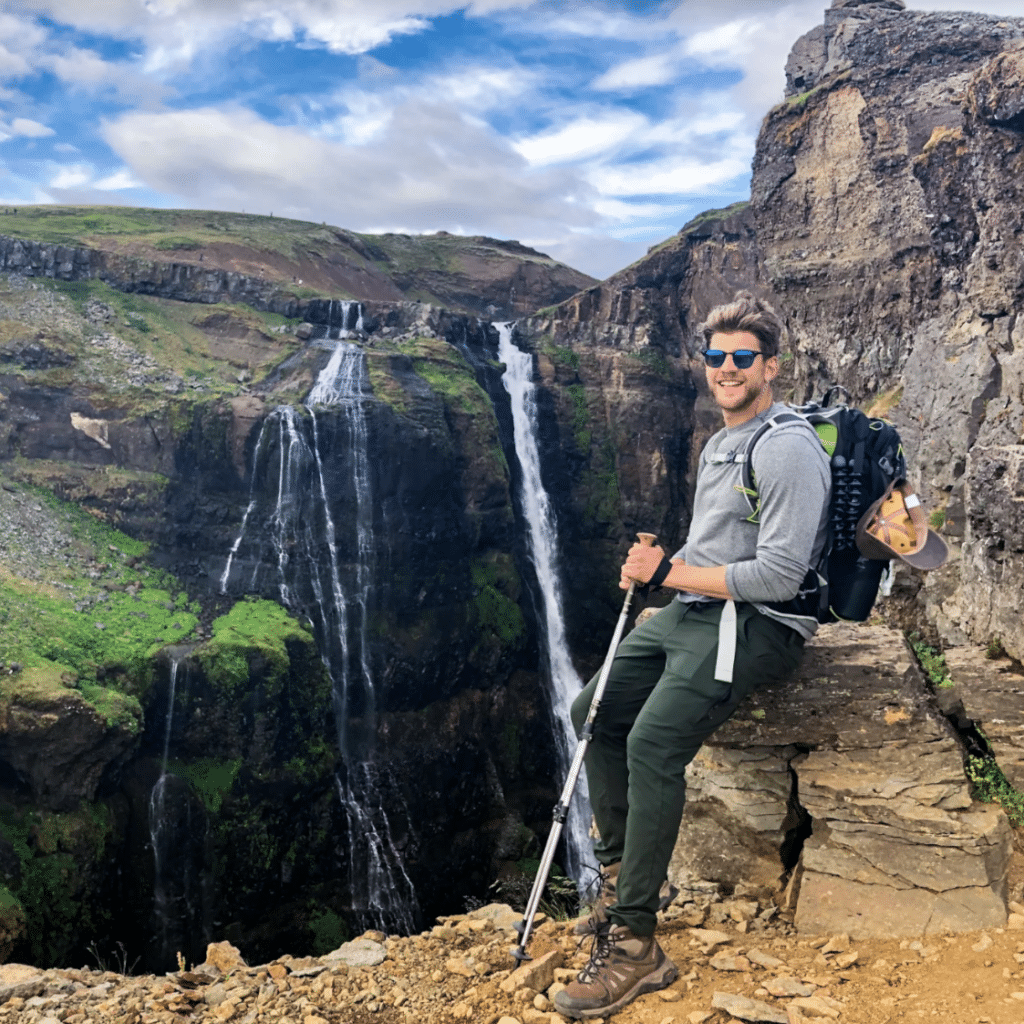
(580, 416)
(495, 610)
(59, 854)
(329, 931)
(211, 778)
(561, 355)
(177, 242)
(252, 627)
(655, 360)
(97, 619)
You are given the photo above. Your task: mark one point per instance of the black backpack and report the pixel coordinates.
(866, 455)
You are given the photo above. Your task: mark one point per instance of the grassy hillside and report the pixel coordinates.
(309, 258)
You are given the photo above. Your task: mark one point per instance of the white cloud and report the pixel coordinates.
(71, 176)
(174, 31)
(429, 169)
(582, 138)
(27, 128)
(640, 73)
(669, 177)
(118, 180)
(731, 41)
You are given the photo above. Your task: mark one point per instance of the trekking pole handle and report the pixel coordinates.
(647, 539)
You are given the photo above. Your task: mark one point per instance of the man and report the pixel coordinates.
(681, 674)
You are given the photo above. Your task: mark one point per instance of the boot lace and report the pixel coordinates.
(600, 948)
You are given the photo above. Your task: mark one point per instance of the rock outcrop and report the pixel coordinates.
(850, 778)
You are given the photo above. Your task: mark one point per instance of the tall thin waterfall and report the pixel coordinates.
(542, 544)
(325, 567)
(178, 903)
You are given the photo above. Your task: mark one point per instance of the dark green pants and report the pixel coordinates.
(660, 704)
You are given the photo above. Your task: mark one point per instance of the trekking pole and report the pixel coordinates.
(525, 927)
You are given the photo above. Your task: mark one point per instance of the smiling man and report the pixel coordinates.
(734, 626)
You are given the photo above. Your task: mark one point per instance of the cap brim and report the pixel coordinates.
(933, 553)
(931, 556)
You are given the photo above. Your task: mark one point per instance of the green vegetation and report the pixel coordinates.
(179, 336)
(212, 779)
(580, 417)
(448, 374)
(95, 623)
(560, 900)
(560, 355)
(799, 102)
(933, 662)
(708, 215)
(496, 584)
(329, 931)
(253, 627)
(59, 855)
(992, 786)
(655, 360)
(937, 519)
(994, 649)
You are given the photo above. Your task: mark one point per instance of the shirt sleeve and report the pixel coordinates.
(793, 479)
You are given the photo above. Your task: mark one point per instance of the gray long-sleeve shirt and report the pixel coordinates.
(766, 561)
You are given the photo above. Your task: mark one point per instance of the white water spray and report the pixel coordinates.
(542, 544)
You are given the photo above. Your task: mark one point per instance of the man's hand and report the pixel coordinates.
(640, 565)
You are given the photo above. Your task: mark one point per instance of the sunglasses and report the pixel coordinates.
(742, 360)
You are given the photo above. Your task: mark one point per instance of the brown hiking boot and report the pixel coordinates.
(606, 897)
(622, 966)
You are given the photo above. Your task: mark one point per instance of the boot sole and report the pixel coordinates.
(653, 982)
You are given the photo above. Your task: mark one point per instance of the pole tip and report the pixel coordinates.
(520, 954)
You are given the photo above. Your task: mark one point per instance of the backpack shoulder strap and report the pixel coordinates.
(747, 456)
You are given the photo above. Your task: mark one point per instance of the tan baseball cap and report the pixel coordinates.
(895, 527)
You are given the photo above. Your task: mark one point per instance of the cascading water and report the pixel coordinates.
(176, 841)
(542, 544)
(326, 568)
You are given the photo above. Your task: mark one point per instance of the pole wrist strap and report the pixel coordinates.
(660, 574)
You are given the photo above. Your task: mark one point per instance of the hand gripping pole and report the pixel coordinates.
(561, 811)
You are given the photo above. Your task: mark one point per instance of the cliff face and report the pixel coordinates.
(887, 202)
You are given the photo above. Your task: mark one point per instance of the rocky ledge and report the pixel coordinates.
(849, 781)
(738, 959)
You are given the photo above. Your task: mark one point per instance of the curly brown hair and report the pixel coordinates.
(746, 312)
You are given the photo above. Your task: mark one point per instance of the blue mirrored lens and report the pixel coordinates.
(742, 360)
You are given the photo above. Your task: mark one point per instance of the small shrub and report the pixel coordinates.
(932, 662)
(994, 649)
(992, 786)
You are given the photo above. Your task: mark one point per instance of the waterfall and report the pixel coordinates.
(178, 904)
(542, 545)
(160, 826)
(325, 568)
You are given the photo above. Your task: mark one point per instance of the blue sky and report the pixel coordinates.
(590, 130)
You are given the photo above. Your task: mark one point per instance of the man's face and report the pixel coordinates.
(737, 392)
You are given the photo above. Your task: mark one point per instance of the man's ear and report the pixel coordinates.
(771, 368)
